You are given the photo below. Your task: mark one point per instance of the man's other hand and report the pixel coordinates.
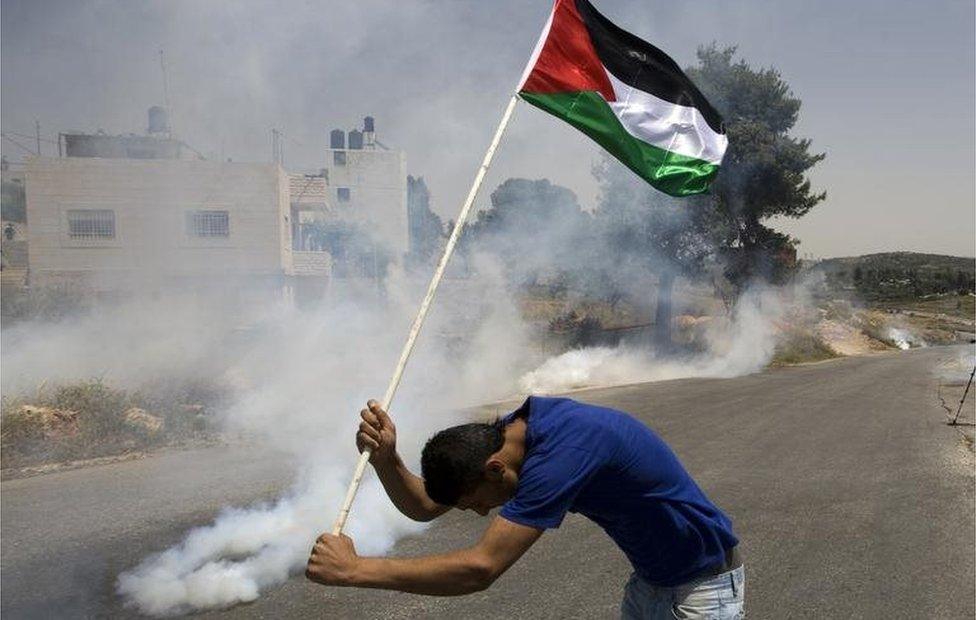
(377, 433)
(333, 561)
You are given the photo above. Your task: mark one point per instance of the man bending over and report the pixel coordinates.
(549, 457)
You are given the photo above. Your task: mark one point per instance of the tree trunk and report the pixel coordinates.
(662, 316)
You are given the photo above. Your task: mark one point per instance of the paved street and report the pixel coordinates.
(850, 495)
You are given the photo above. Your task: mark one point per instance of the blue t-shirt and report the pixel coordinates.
(613, 469)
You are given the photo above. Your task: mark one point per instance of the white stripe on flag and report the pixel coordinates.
(676, 128)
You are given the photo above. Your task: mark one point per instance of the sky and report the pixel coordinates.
(887, 88)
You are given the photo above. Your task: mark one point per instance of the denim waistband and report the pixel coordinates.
(731, 561)
(694, 581)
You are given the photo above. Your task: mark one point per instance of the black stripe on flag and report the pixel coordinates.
(639, 64)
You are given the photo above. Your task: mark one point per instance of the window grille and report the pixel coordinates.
(91, 224)
(208, 224)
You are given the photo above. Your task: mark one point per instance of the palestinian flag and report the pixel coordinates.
(628, 96)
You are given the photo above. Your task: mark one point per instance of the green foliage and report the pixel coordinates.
(543, 235)
(13, 201)
(355, 253)
(762, 175)
(426, 227)
(651, 229)
(524, 204)
(648, 231)
(900, 275)
(535, 228)
(764, 170)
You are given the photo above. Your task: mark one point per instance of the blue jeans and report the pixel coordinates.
(714, 598)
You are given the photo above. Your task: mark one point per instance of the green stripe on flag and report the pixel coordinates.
(674, 174)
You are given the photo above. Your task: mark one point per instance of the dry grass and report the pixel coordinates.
(90, 419)
(798, 345)
(536, 309)
(950, 305)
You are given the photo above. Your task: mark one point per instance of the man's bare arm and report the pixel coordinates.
(406, 491)
(334, 562)
(378, 433)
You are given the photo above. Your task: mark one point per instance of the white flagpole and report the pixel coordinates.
(418, 322)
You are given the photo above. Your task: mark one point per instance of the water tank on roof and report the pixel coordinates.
(158, 121)
(355, 139)
(369, 124)
(337, 139)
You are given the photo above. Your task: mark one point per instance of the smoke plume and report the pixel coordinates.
(740, 344)
(297, 376)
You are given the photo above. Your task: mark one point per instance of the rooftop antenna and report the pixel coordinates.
(166, 101)
(277, 150)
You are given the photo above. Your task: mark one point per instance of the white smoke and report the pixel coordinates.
(300, 384)
(957, 368)
(904, 339)
(298, 379)
(128, 344)
(743, 344)
(247, 550)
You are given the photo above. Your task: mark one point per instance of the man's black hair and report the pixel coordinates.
(453, 461)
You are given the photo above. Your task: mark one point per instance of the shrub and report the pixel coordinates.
(91, 419)
(798, 345)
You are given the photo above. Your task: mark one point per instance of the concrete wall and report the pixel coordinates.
(150, 199)
(308, 190)
(377, 182)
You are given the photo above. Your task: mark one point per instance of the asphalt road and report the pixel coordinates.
(851, 497)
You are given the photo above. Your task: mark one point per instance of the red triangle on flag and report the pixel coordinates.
(567, 61)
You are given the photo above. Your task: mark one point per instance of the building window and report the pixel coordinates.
(343, 194)
(339, 158)
(91, 224)
(208, 224)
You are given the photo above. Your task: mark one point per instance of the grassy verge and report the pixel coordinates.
(798, 346)
(90, 419)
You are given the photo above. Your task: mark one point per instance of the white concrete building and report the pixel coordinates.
(111, 223)
(368, 186)
(123, 211)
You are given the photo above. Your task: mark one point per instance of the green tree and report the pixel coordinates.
(961, 280)
(764, 173)
(533, 226)
(649, 231)
(355, 253)
(425, 227)
(14, 202)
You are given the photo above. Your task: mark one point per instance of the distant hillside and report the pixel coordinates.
(900, 275)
